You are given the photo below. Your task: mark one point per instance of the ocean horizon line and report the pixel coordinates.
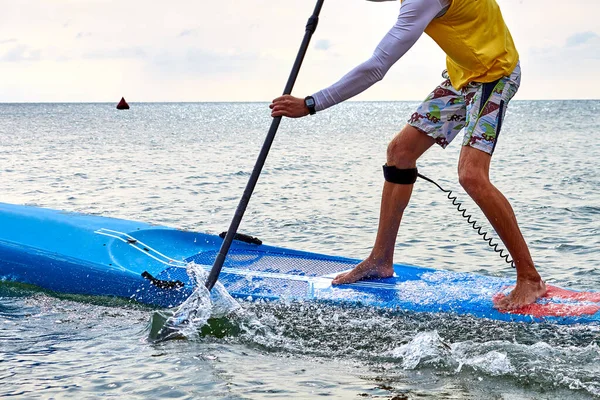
(254, 101)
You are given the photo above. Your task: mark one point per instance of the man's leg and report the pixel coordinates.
(473, 172)
(403, 152)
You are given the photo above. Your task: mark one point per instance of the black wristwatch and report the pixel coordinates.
(309, 101)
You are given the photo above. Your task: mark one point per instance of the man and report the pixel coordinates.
(482, 76)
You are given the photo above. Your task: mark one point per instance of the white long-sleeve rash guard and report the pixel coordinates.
(414, 17)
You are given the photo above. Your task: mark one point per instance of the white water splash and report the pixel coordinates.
(494, 363)
(429, 348)
(424, 347)
(560, 366)
(202, 304)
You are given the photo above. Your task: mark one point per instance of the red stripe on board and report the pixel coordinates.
(559, 309)
(554, 291)
(556, 310)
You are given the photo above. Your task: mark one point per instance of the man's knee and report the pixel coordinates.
(473, 180)
(406, 147)
(398, 154)
(473, 171)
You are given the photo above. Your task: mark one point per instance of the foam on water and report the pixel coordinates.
(404, 346)
(538, 355)
(195, 311)
(425, 347)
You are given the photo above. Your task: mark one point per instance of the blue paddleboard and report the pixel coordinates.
(91, 255)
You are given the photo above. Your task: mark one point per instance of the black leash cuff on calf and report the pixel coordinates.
(400, 176)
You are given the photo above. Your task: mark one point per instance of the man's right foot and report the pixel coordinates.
(525, 292)
(366, 269)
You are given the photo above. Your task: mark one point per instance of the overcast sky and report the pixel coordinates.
(243, 50)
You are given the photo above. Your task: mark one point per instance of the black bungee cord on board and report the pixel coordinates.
(479, 229)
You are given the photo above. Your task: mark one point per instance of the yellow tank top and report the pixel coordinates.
(477, 43)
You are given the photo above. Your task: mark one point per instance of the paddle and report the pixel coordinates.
(311, 26)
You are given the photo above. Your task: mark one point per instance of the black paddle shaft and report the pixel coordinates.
(311, 27)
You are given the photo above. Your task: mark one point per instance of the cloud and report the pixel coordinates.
(580, 38)
(577, 49)
(199, 61)
(323, 44)
(118, 53)
(82, 35)
(182, 61)
(563, 71)
(21, 53)
(188, 32)
(6, 41)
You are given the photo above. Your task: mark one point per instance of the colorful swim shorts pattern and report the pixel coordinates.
(477, 109)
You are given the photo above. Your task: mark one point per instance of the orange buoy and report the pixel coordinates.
(122, 104)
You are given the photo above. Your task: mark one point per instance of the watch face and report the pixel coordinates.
(310, 102)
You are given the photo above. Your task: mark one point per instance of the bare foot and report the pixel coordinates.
(525, 292)
(366, 269)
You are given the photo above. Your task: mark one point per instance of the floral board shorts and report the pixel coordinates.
(477, 108)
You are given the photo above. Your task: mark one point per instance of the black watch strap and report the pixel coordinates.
(309, 101)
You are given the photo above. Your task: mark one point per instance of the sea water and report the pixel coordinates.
(185, 165)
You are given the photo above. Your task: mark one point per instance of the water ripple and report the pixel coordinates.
(186, 165)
